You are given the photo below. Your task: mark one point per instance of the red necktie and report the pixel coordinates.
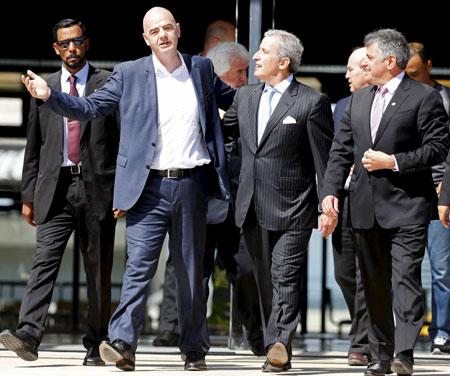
(73, 129)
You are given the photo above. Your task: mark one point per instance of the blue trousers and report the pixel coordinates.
(439, 254)
(176, 206)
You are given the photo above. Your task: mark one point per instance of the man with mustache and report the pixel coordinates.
(67, 185)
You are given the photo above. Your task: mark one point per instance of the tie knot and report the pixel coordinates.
(269, 90)
(72, 79)
(382, 91)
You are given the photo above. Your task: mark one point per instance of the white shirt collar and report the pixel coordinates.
(393, 83)
(282, 86)
(161, 71)
(81, 75)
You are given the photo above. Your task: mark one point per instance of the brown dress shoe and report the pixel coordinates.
(277, 355)
(358, 359)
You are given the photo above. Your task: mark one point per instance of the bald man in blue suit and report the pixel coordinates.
(171, 158)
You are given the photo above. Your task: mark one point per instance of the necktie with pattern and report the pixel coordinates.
(377, 111)
(73, 129)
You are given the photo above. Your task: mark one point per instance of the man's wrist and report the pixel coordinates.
(394, 165)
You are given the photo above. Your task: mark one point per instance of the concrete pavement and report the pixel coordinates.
(66, 360)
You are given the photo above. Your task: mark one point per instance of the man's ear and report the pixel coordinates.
(55, 47)
(284, 63)
(429, 66)
(145, 39)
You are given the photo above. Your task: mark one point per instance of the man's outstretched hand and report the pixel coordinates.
(36, 85)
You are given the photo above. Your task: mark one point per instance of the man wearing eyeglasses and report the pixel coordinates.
(67, 185)
(171, 159)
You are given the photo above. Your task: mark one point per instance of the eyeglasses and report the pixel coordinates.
(79, 41)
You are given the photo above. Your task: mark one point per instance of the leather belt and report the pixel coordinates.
(176, 173)
(73, 170)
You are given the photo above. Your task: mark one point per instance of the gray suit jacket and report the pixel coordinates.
(279, 174)
(133, 87)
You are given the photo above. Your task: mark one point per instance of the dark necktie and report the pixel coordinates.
(73, 129)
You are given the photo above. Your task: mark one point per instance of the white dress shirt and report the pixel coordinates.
(80, 85)
(279, 89)
(180, 142)
(392, 86)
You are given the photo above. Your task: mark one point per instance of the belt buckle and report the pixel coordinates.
(169, 176)
(75, 170)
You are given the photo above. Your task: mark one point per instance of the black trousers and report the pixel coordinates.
(390, 263)
(348, 277)
(70, 210)
(234, 257)
(278, 259)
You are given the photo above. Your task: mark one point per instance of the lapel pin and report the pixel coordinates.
(393, 104)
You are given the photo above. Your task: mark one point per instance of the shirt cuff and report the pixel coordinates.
(395, 168)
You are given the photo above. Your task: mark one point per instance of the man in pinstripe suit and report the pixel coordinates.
(286, 132)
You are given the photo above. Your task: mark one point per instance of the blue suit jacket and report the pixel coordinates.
(133, 87)
(339, 110)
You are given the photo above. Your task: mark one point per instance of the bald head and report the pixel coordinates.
(155, 14)
(161, 33)
(357, 73)
(218, 31)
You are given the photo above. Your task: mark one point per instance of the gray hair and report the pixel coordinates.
(224, 53)
(290, 46)
(390, 42)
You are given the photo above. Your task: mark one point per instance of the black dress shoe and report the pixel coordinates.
(379, 368)
(402, 365)
(257, 346)
(118, 352)
(92, 357)
(195, 361)
(267, 367)
(166, 338)
(22, 344)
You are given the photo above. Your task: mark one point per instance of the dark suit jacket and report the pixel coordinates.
(339, 110)
(99, 141)
(133, 87)
(444, 197)
(279, 175)
(414, 129)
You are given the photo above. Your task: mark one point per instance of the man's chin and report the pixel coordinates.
(74, 64)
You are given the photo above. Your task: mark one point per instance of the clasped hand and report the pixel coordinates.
(377, 160)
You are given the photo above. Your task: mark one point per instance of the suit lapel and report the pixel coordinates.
(55, 120)
(399, 97)
(286, 101)
(150, 91)
(366, 104)
(92, 84)
(253, 106)
(194, 71)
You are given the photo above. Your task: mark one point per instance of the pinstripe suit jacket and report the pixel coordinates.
(279, 174)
